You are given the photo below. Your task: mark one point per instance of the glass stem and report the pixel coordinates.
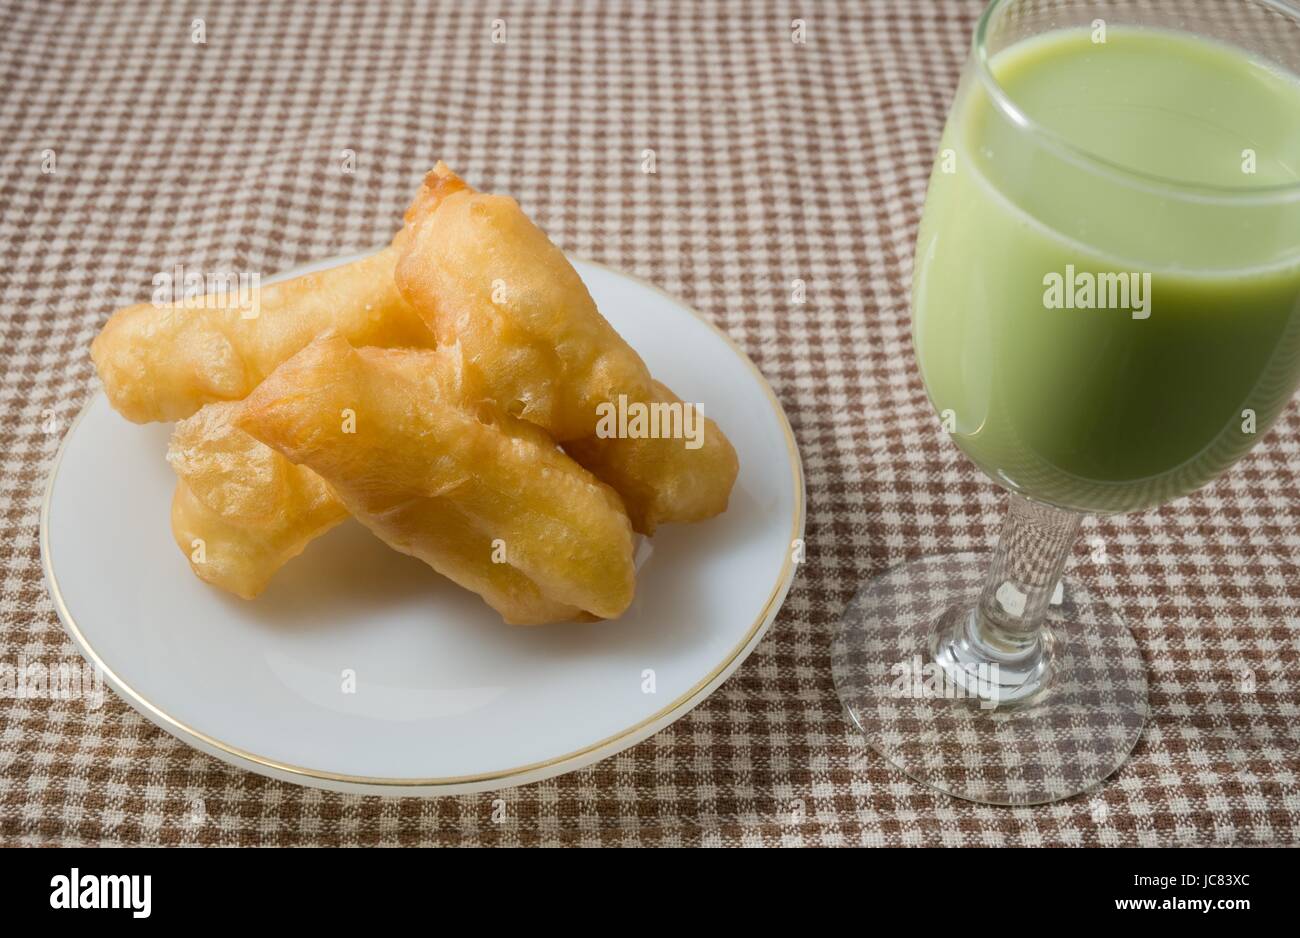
(1032, 550)
(1000, 649)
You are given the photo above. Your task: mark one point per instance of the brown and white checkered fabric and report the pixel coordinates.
(775, 161)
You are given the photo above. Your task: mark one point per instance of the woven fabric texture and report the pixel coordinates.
(775, 161)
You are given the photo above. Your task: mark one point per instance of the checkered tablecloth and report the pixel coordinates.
(775, 161)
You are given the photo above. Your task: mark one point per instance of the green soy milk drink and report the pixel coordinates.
(1106, 307)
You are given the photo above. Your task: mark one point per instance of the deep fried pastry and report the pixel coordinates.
(661, 480)
(241, 510)
(486, 500)
(164, 363)
(489, 283)
(482, 275)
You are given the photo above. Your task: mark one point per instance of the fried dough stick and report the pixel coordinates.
(164, 363)
(484, 499)
(658, 479)
(490, 284)
(241, 510)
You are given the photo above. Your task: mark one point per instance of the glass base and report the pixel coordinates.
(1039, 726)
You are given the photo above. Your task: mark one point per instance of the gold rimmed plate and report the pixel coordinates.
(361, 670)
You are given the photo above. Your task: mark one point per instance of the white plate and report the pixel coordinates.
(448, 699)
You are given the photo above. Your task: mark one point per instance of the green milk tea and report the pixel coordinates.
(1106, 310)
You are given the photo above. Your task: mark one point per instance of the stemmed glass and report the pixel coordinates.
(1106, 316)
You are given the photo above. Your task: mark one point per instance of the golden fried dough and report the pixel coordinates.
(484, 499)
(491, 285)
(164, 363)
(484, 276)
(661, 480)
(254, 509)
(241, 510)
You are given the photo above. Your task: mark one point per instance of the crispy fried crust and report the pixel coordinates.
(491, 285)
(241, 510)
(484, 276)
(661, 480)
(439, 183)
(451, 485)
(164, 363)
